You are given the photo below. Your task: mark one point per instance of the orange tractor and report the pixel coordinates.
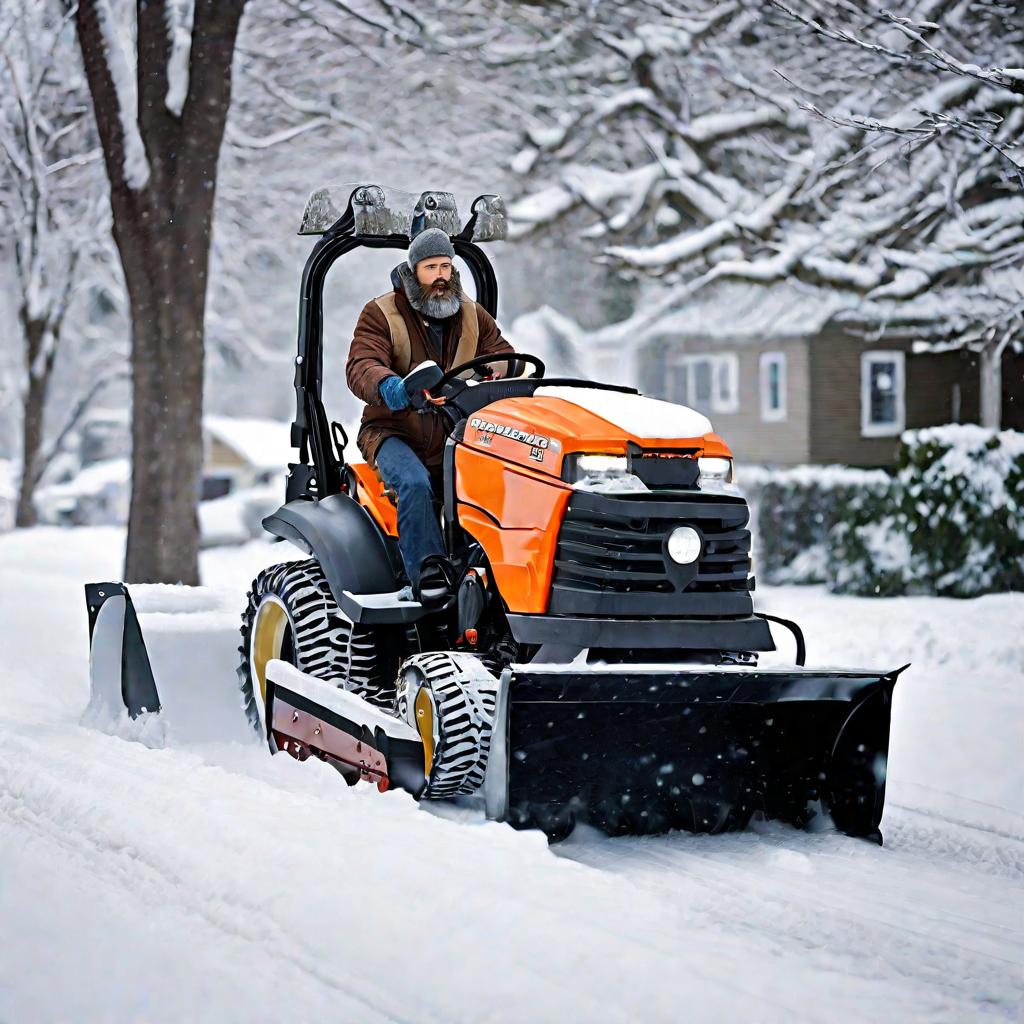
(592, 655)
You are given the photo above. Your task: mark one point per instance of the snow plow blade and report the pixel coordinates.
(311, 718)
(635, 751)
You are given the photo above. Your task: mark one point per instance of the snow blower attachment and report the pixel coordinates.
(591, 652)
(171, 652)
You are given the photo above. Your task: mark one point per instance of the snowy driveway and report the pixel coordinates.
(214, 883)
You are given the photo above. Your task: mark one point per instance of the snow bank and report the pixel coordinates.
(192, 638)
(8, 494)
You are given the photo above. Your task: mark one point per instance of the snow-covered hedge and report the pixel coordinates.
(794, 511)
(949, 521)
(952, 523)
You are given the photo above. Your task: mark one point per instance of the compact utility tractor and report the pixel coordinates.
(589, 651)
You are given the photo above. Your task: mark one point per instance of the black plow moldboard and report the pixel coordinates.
(634, 751)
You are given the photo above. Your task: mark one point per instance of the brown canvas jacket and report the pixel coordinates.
(370, 360)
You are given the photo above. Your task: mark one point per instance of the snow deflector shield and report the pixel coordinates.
(633, 751)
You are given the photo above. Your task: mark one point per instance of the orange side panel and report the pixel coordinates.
(528, 507)
(370, 494)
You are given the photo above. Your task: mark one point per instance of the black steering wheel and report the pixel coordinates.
(504, 357)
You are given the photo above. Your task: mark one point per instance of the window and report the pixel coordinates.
(215, 485)
(707, 383)
(882, 407)
(773, 386)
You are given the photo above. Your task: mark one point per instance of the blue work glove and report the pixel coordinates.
(393, 390)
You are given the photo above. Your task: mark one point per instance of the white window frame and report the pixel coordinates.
(867, 360)
(779, 413)
(717, 359)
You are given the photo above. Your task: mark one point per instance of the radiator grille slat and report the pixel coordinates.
(616, 546)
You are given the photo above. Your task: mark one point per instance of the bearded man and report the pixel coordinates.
(425, 317)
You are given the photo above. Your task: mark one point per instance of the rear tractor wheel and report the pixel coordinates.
(292, 615)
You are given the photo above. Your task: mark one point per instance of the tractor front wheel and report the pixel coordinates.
(450, 699)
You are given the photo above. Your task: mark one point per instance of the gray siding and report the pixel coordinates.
(835, 385)
(752, 440)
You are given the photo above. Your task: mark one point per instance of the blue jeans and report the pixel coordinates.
(419, 532)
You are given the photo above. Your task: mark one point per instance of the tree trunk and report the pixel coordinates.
(33, 407)
(992, 387)
(162, 228)
(167, 294)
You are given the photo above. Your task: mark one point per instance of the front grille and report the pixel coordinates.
(611, 555)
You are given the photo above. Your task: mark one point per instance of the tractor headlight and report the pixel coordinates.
(716, 474)
(684, 545)
(607, 474)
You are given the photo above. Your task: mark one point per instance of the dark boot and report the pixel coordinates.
(436, 584)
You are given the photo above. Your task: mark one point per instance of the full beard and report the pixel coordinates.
(437, 304)
(441, 303)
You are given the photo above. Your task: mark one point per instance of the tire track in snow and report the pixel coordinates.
(969, 846)
(801, 891)
(32, 808)
(50, 795)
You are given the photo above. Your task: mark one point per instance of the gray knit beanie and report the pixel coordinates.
(431, 242)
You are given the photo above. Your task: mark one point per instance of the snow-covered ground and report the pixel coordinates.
(211, 882)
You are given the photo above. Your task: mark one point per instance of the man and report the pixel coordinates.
(426, 317)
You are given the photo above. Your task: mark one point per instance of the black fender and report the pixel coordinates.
(339, 533)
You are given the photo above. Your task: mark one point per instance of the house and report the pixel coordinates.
(788, 376)
(242, 453)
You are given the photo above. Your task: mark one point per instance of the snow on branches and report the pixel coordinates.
(53, 223)
(135, 166)
(835, 146)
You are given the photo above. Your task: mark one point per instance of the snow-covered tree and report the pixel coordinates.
(53, 218)
(832, 144)
(329, 92)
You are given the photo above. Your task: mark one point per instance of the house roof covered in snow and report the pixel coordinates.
(265, 444)
(734, 312)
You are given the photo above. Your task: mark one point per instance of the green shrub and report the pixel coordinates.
(961, 503)
(795, 511)
(950, 521)
(870, 552)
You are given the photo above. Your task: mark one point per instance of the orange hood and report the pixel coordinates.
(541, 430)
